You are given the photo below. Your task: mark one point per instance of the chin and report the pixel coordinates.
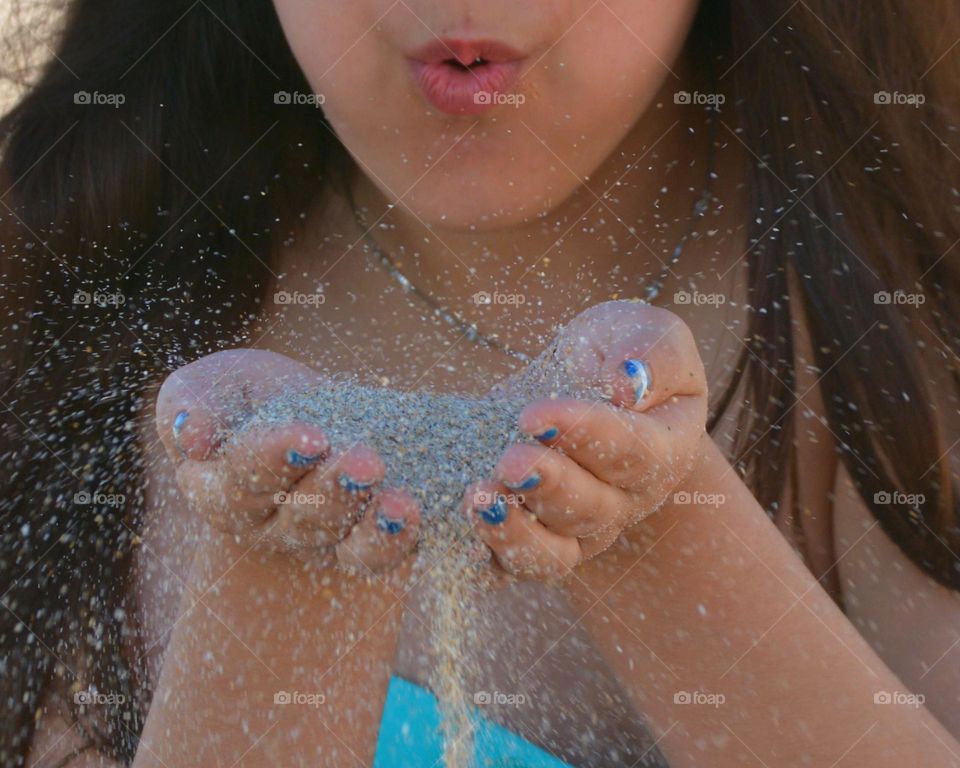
(487, 191)
(479, 205)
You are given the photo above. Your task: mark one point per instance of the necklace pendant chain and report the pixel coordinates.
(470, 331)
(700, 208)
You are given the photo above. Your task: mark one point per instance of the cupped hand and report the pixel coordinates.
(601, 465)
(282, 487)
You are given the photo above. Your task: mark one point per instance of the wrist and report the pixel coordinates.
(711, 486)
(709, 472)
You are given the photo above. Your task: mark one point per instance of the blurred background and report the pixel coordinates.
(26, 27)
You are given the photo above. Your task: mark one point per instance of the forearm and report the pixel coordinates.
(708, 597)
(268, 626)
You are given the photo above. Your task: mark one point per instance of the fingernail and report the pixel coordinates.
(524, 485)
(179, 420)
(389, 524)
(495, 513)
(547, 434)
(353, 486)
(639, 373)
(297, 459)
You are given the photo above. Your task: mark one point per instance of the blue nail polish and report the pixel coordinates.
(548, 434)
(179, 420)
(353, 486)
(639, 373)
(496, 513)
(297, 459)
(387, 524)
(524, 485)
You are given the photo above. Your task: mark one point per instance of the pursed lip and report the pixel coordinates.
(466, 51)
(462, 77)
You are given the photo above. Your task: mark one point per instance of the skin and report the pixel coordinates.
(613, 470)
(583, 498)
(251, 610)
(235, 483)
(358, 64)
(577, 522)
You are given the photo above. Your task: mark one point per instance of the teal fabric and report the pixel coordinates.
(410, 736)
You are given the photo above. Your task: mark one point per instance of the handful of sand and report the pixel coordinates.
(433, 445)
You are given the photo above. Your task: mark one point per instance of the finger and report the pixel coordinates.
(637, 354)
(385, 536)
(320, 508)
(566, 498)
(522, 545)
(619, 447)
(237, 489)
(644, 370)
(188, 427)
(199, 403)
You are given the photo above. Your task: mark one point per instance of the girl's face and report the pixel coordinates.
(483, 114)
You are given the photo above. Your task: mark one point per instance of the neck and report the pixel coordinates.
(613, 235)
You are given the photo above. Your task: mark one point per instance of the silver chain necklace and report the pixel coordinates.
(651, 288)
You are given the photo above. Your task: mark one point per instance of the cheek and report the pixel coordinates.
(605, 73)
(349, 53)
(330, 38)
(624, 53)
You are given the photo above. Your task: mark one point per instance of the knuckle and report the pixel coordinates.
(303, 506)
(630, 315)
(260, 479)
(678, 334)
(670, 341)
(664, 318)
(585, 526)
(349, 556)
(304, 528)
(631, 471)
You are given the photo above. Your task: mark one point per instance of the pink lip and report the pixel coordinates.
(441, 70)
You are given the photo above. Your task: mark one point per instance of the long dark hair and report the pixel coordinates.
(138, 236)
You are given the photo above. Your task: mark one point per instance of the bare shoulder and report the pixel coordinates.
(910, 620)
